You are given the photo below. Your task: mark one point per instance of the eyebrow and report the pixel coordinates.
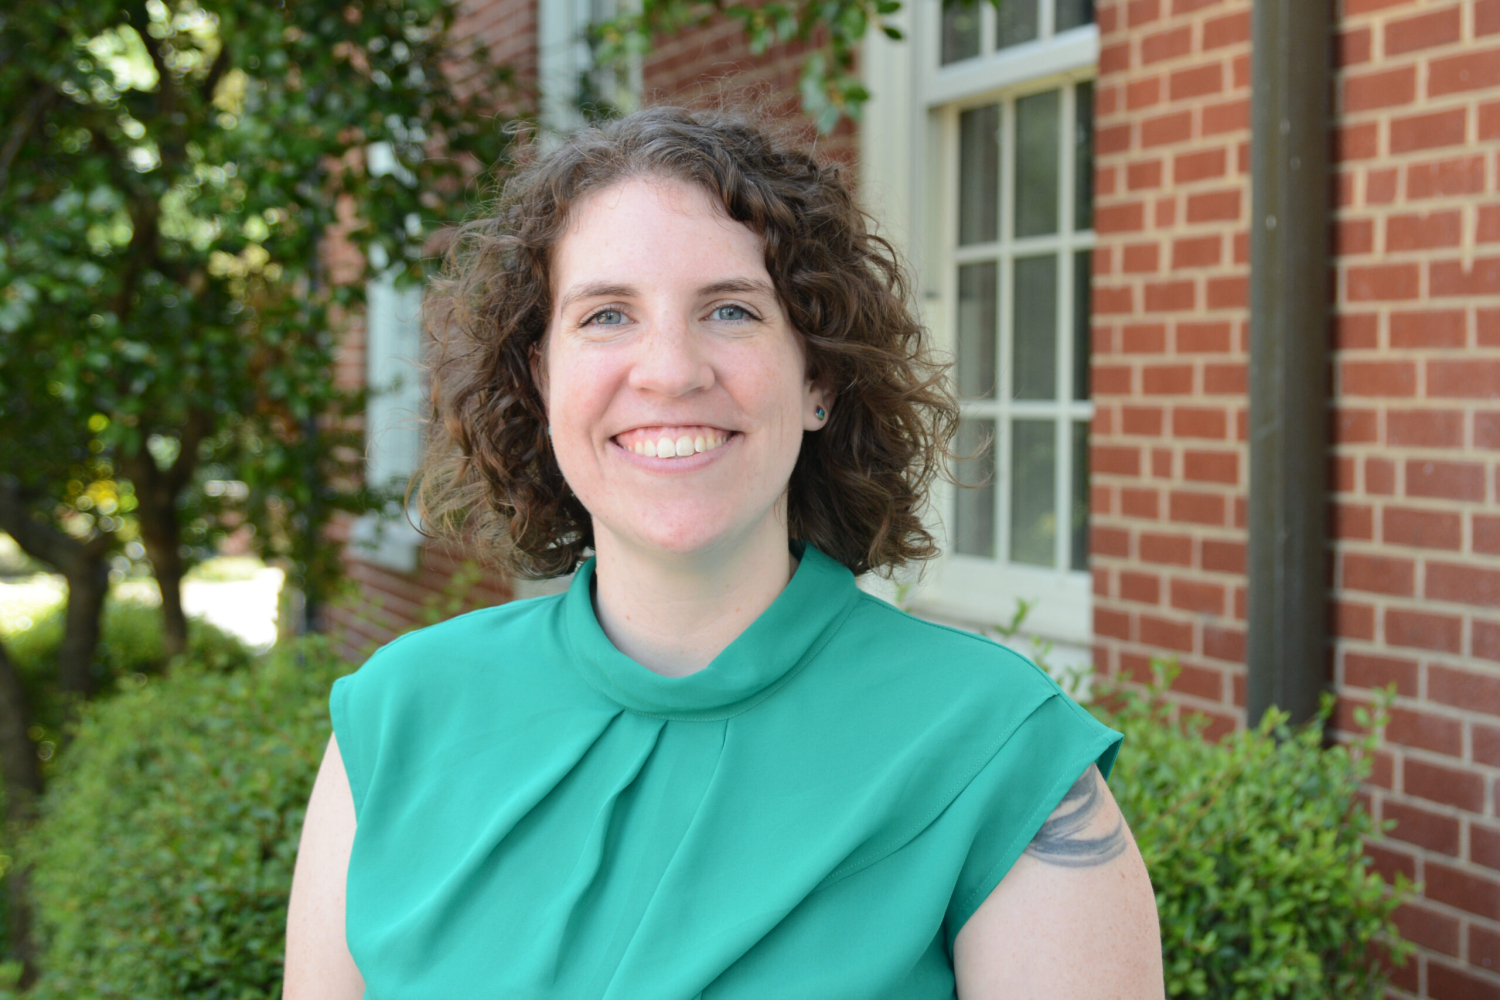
(608, 289)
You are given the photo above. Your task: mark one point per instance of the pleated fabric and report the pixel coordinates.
(815, 814)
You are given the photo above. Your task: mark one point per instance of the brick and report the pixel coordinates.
(1451, 277)
(1222, 380)
(1140, 503)
(1444, 178)
(1197, 81)
(1146, 420)
(1380, 476)
(1207, 164)
(1484, 640)
(1112, 301)
(1467, 379)
(1488, 230)
(1428, 131)
(1228, 293)
(1143, 175)
(1202, 338)
(1355, 426)
(1165, 633)
(1381, 89)
(1426, 529)
(1356, 142)
(1114, 58)
(1425, 731)
(1352, 621)
(1199, 422)
(1211, 467)
(1126, 218)
(1441, 27)
(1484, 845)
(1224, 557)
(1486, 534)
(1487, 17)
(1174, 380)
(1202, 598)
(1423, 232)
(1487, 327)
(1462, 584)
(1171, 296)
(1362, 670)
(1197, 251)
(1444, 785)
(1142, 588)
(1383, 282)
(1106, 541)
(1352, 47)
(1166, 45)
(1115, 460)
(1196, 508)
(1353, 236)
(1140, 12)
(1484, 952)
(1230, 116)
(1429, 328)
(1425, 428)
(1377, 378)
(1112, 624)
(1469, 71)
(1453, 982)
(1166, 550)
(1422, 630)
(1486, 746)
(1164, 212)
(1224, 644)
(1344, 474)
(1352, 331)
(1110, 380)
(1160, 131)
(1143, 93)
(1140, 258)
(1112, 138)
(1427, 928)
(1380, 186)
(1378, 574)
(1422, 827)
(1445, 480)
(1353, 522)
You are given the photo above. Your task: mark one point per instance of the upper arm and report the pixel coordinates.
(1075, 915)
(318, 963)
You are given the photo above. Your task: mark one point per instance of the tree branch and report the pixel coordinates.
(39, 104)
(215, 74)
(42, 541)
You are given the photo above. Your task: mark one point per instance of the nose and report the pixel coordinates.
(671, 361)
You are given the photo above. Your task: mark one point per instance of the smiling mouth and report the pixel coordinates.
(672, 442)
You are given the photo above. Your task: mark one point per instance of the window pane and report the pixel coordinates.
(979, 175)
(1015, 22)
(960, 30)
(1083, 331)
(1034, 329)
(974, 513)
(1033, 491)
(1080, 471)
(976, 330)
(1083, 158)
(1036, 163)
(1073, 14)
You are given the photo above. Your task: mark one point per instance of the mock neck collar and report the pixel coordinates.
(751, 668)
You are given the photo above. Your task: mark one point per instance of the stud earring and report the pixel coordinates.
(820, 413)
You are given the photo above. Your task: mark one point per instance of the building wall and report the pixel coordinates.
(1415, 463)
(1417, 455)
(1169, 461)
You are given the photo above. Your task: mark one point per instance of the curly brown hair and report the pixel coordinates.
(859, 486)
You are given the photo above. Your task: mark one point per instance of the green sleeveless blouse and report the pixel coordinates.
(813, 815)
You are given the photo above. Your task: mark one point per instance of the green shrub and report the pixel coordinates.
(1254, 844)
(163, 858)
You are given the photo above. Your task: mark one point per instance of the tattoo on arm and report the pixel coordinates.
(1065, 840)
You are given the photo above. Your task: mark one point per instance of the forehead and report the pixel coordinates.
(656, 229)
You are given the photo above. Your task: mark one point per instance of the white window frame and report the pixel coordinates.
(909, 165)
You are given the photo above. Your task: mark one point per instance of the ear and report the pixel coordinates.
(817, 399)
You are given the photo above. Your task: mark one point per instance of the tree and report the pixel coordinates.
(169, 172)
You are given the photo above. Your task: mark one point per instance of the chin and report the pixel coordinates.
(683, 532)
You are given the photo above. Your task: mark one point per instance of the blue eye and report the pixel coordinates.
(608, 317)
(731, 313)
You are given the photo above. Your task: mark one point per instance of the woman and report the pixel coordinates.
(714, 767)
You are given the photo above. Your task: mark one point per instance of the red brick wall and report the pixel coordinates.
(1415, 558)
(1171, 275)
(1417, 454)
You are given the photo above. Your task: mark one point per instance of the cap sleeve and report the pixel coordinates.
(1012, 796)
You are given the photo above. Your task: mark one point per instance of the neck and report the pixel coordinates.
(674, 613)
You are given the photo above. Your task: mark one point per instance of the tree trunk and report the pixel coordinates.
(23, 786)
(162, 538)
(88, 585)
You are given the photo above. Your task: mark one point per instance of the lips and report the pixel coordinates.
(672, 441)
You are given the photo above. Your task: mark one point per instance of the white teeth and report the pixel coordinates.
(639, 448)
(699, 445)
(666, 448)
(648, 448)
(684, 446)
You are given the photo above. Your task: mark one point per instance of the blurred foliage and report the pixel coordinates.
(162, 863)
(169, 172)
(131, 647)
(1255, 847)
